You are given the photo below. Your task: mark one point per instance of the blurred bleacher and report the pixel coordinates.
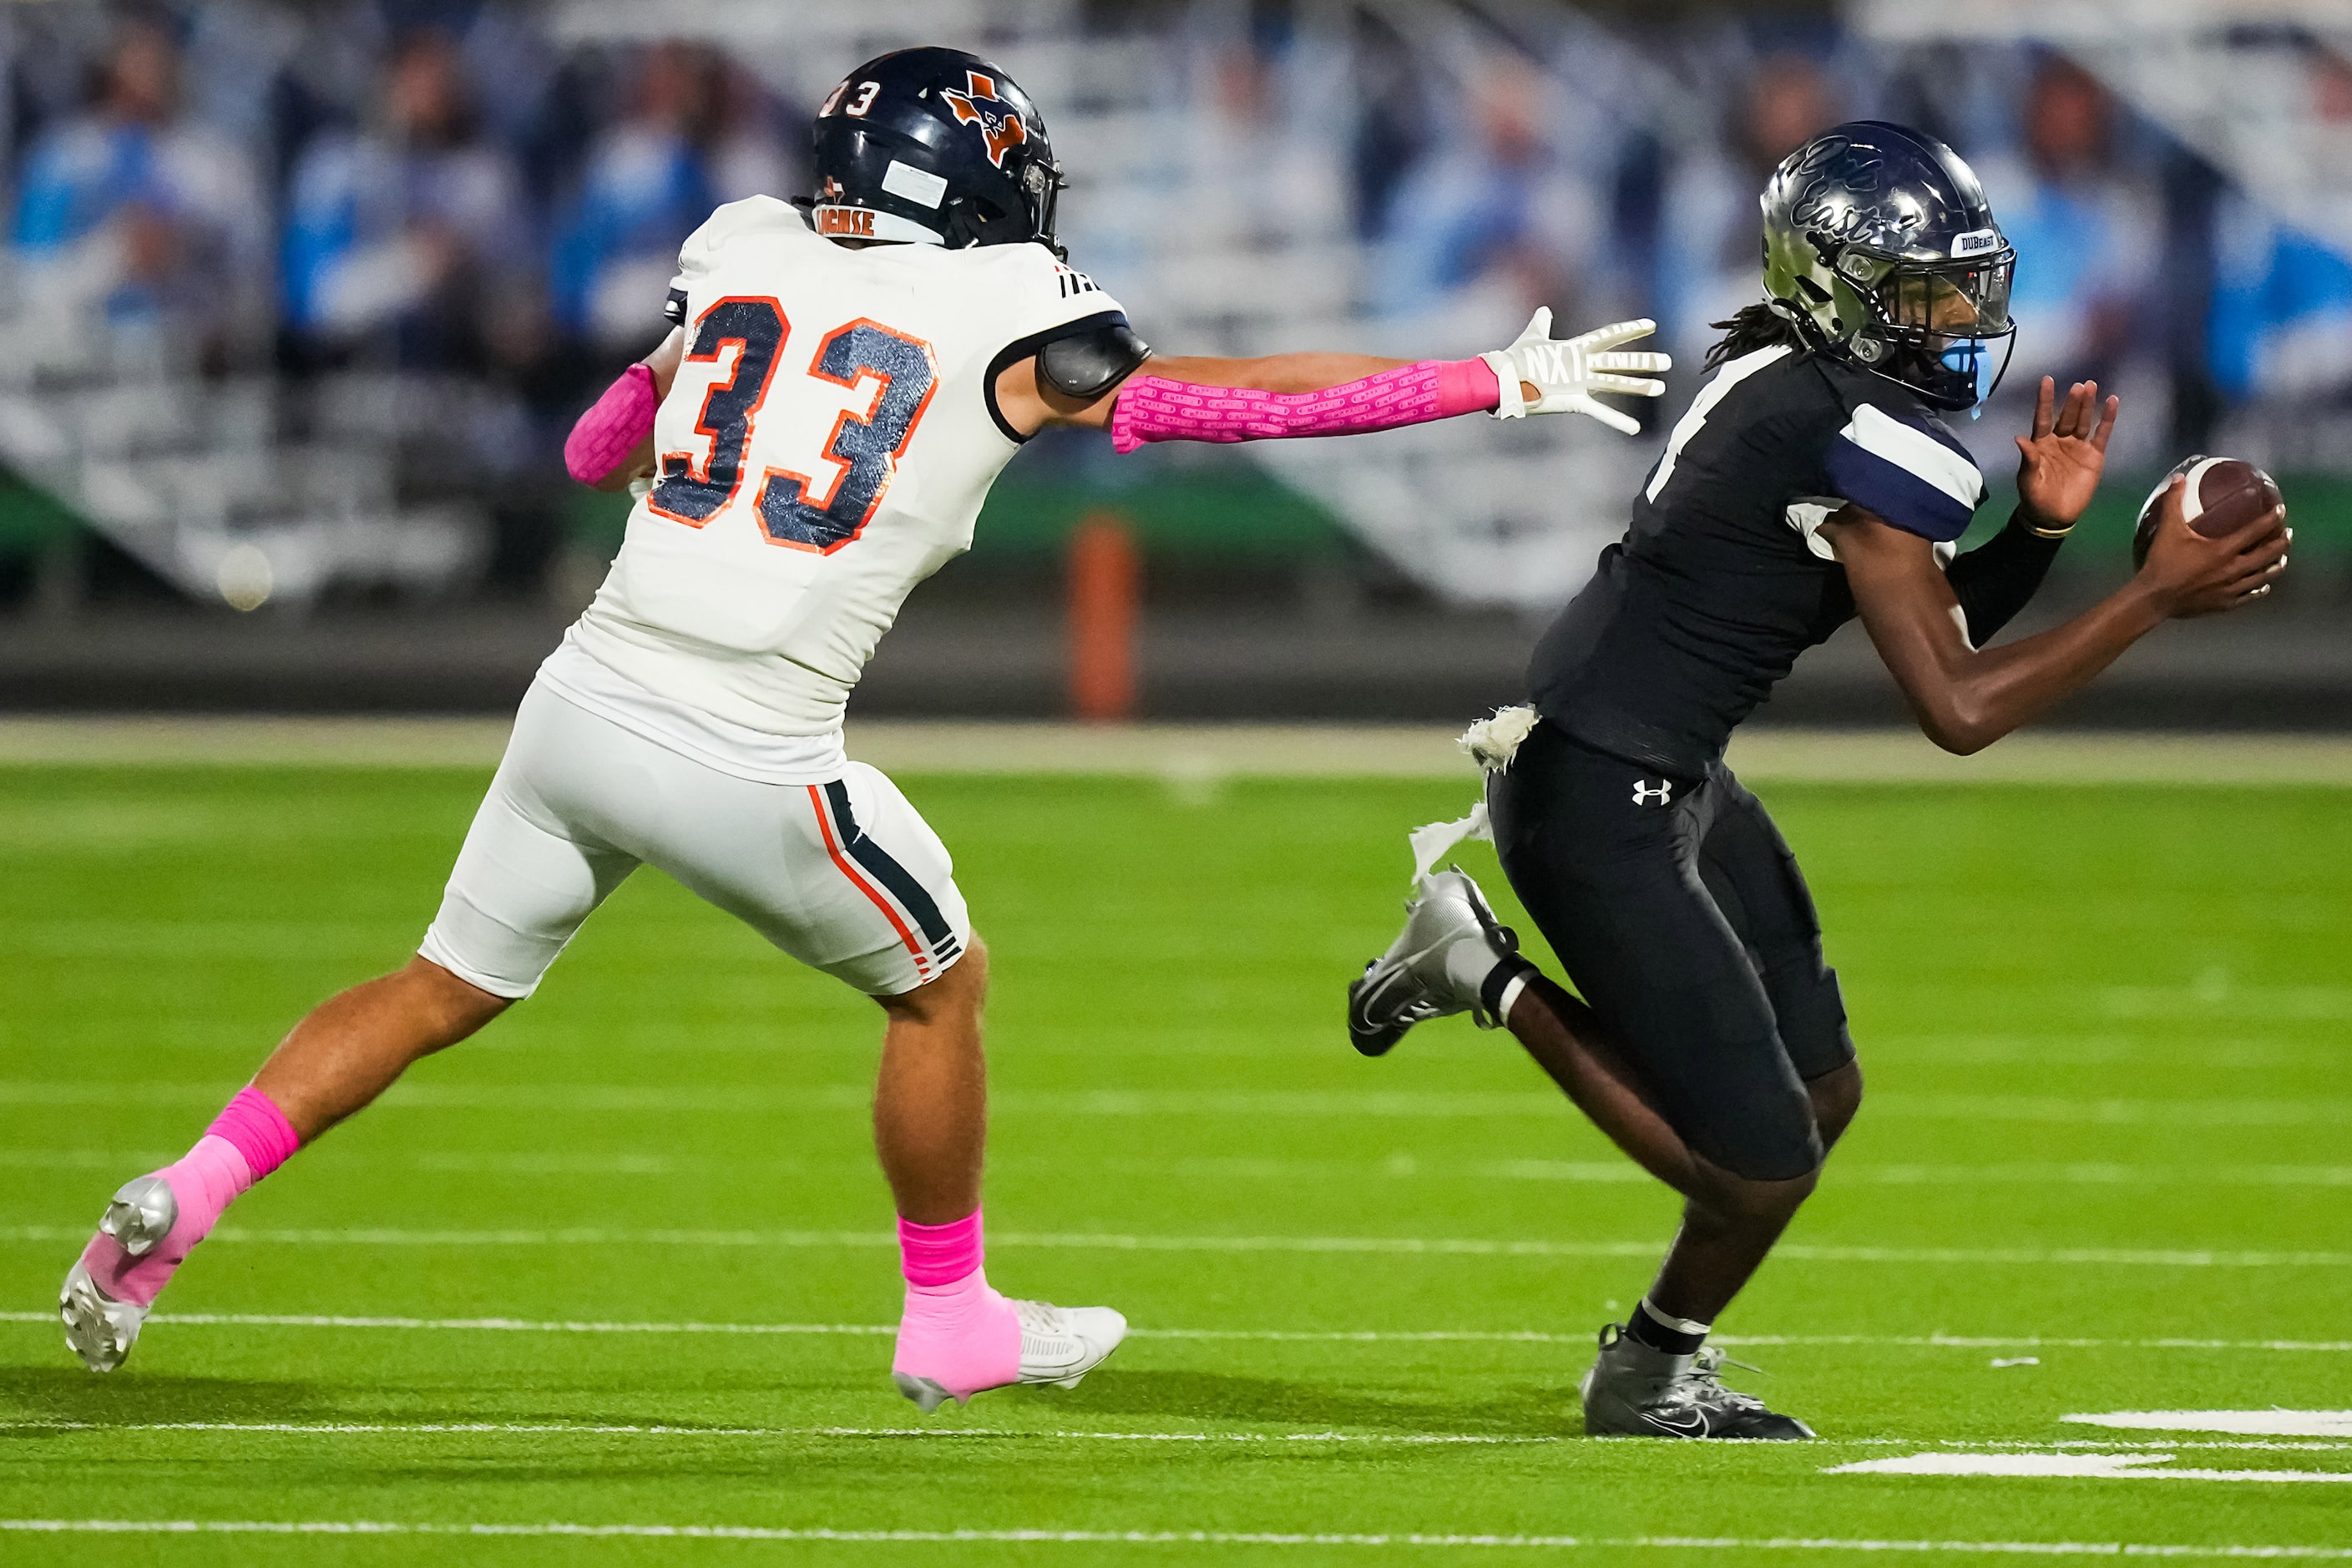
(264, 513)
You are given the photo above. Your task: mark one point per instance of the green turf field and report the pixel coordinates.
(2106, 1033)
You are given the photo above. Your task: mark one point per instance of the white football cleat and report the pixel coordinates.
(1059, 1345)
(98, 1329)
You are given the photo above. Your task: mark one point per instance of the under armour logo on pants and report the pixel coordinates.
(1647, 793)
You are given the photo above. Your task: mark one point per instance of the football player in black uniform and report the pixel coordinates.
(1812, 479)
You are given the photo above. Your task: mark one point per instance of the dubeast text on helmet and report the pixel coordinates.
(937, 147)
(1879, 245)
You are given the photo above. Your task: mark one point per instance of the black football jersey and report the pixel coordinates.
(1722, 580)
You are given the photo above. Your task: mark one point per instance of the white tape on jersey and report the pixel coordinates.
(1436, 841)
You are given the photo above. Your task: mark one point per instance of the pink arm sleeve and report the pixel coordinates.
(612, 428)
(1150, 408)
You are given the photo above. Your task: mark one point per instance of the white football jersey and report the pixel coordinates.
(827, 446)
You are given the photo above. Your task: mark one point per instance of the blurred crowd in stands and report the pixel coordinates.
(1623, 181)
(432, 187)
(444, 187)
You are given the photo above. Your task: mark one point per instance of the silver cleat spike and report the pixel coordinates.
(927, 1395)
(142, 1215)
(98, 1329)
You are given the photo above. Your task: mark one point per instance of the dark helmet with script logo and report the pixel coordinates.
(1879, 245)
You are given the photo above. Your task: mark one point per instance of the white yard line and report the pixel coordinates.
(1300, 1336)
(1611, 1173)
(2271, 1423)
(1014, 1434)
(2109, 1466)
(2084, 1173)
(1174, 1538)
(545, 1428)
(1198, 755)
(2208, 1112)
(1383, 1245)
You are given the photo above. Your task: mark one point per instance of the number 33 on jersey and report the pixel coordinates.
(744, 337)
(826, 444)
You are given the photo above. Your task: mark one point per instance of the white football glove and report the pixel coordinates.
(1566, 373)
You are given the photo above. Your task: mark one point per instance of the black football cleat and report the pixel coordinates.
(1634, 1390)
(1422, 976)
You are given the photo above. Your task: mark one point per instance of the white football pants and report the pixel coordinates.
(845, 875)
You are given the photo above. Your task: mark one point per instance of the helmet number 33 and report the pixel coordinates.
(863, 447)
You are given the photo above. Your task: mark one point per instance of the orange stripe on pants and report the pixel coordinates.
(833, 848)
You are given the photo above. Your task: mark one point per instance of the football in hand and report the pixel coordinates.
(2224, 495)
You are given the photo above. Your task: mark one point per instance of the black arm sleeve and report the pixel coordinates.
(1995, 579)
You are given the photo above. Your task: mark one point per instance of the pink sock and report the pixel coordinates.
(956, 1330)
(249, 1139)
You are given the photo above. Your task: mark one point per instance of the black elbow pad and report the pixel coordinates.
(1087, 363)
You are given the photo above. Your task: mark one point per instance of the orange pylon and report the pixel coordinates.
(1106, 594)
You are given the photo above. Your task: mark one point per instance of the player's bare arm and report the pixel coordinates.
(1965, 697)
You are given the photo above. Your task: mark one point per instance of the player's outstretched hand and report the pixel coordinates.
(1541, 375)
(2058, 467)
(2192, 575)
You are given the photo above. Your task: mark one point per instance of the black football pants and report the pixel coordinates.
(1681, 916)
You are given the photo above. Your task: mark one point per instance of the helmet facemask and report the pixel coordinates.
(1943, 330)
(979, 220)
(1041, 184)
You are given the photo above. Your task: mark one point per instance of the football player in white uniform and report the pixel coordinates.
(844, 383)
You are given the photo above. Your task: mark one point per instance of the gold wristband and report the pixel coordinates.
(2038, 532)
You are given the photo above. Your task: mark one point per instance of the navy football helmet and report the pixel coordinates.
(1879, 245)
(936, 147)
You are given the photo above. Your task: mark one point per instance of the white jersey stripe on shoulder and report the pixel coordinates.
(1713, 393)
(1916, 452)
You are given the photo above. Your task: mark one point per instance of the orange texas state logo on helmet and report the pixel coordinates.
(1001, 130)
